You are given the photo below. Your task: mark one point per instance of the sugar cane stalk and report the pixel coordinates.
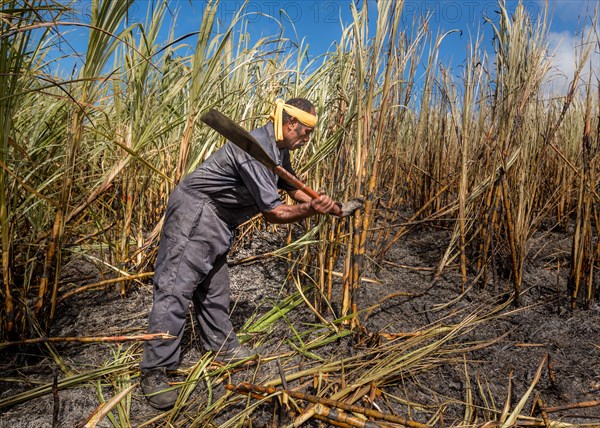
(580, 405)
(582, 261)
(343, 419)
(250, 388)
(512, 240)
(91, 339)
(104, 284)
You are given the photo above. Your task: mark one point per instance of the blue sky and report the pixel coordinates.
(319, 22)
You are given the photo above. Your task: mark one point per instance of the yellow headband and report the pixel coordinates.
(303, 117)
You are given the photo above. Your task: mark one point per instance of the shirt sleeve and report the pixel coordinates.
(261, 183)
(287, 165)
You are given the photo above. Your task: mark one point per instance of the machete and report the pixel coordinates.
(245, 141)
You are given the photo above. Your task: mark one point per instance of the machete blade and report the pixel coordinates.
(238, 136)
(245, 141)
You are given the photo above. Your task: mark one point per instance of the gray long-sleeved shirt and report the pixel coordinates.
(238, 184)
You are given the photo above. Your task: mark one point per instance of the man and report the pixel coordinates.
(202, 213)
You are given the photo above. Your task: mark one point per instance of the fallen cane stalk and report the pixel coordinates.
(579, 405)
(100, 339)
(104, 283)
(335, 415)
(544, 414)
(101, 411)
(330, 422)
(305, 416)
(69, 381)
(512, 418)
(245, 388)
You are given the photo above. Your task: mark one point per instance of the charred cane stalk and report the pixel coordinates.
(246, 388)
(92, 339)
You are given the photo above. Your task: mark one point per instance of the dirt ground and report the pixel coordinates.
(403, 300)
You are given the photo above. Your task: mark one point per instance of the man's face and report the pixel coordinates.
(295, 134)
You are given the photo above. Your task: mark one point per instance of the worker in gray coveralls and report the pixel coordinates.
(202, 213)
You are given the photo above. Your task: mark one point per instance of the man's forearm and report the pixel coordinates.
(299, 196)
(283, 214)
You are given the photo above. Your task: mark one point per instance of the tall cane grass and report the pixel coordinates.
(22, 55)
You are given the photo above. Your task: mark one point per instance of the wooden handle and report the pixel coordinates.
(289, 178)
(298, 184)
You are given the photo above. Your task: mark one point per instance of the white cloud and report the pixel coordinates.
(566, 50)
(570, 12)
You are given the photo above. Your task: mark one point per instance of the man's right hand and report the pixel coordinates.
(321, 205)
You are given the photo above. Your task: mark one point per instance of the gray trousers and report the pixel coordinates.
(190, 266)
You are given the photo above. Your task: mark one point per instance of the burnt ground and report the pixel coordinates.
(513, 343)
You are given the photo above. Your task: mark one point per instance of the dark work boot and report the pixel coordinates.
(235, 355)
(157, 390)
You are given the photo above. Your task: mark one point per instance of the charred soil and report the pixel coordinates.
(398, 300)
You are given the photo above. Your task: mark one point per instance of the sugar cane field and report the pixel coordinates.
(464, 292)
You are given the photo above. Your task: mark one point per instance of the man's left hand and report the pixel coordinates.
(323, 204)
